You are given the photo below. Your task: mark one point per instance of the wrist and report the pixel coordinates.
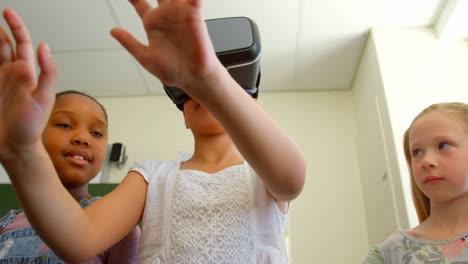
(210, 85)
(20, 154)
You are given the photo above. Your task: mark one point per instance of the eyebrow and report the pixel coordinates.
(72, 113)
(436, 139)
(413, 146)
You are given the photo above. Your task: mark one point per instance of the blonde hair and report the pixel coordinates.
(420, 200)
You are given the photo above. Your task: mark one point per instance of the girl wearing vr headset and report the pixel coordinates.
(226, 204)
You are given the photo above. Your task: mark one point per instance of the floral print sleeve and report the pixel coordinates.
(374, 256)
(402, 248)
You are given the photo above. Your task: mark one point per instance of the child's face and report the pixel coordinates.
(200, 120)
(438, 143)
(76, 139)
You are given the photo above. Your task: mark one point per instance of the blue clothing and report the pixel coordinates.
(23, 246)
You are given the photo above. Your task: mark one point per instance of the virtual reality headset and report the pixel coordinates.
(236, 41)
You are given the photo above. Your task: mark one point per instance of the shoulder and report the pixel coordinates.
(395, 238)
(376, 253)
(374, 256)
(251, 173)
(149, 168)
(387, 250)
(145, 164)
(13, 220)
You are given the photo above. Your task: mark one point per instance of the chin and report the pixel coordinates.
(75, 181)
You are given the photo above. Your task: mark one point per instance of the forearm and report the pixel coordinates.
(49, 207)
(269, 150)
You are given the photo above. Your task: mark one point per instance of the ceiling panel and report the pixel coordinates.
(152, 83)
(350, 19)
(67, 25)
(276, 19)
(330, 64)
(128, 19)
(406, 13)
(278, 66)
(100, 73)
(330, 47)
(307, 44)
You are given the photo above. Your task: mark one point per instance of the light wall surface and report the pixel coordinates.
(381, 185)
(328, 216)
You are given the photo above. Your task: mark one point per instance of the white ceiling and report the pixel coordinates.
(307, 44)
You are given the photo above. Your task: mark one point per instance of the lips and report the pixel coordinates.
(78, 155)
(432, 178)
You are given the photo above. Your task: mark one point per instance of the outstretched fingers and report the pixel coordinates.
(6, 47)
(141, 6)
(131, 44)
(48, 76)
(196, 3)
(24, 47)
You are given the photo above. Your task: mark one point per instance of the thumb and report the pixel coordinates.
(130, 43)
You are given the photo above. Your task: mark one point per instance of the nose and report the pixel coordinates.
(429, 161)
(80, 138)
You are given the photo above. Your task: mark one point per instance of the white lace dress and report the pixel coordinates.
(196, 217)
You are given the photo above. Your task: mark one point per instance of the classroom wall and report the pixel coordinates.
(328, 216)
(381, 184)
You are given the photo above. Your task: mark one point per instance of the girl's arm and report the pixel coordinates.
(73, 233)
(268, 149)
(25, 104)
(180, 54)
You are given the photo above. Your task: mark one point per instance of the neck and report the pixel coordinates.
(79, 193)
(214, 153)
(449, 218)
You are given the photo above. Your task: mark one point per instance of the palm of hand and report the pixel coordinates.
(25, 99)
(179, 50)
(22, 112)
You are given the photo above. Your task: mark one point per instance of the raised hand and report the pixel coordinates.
(25, 98)
(179, 50)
